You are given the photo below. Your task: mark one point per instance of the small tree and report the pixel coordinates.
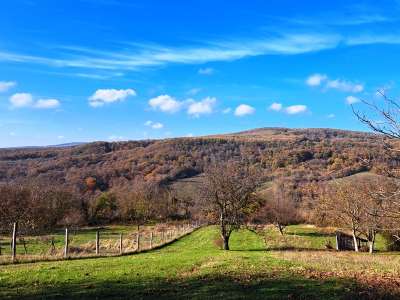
(342, 205)
(229, 192)
(105, 208)
(280, 208)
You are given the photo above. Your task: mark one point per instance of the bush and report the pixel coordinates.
(391, 242)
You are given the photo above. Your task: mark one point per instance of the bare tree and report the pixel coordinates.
(229, 192)
(382, 117)
(342, 205)
(374, 218)
(280, 208)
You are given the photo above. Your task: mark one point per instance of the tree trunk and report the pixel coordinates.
(225, 238)
(280, 228)
(224, 232)
(371, 241)
(355, 241)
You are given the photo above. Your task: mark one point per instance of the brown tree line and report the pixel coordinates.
(41, 208)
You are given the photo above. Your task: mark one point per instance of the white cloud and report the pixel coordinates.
(295, 109)
(157, 125)
(331, 116)
(47, 103)
(345, 86)
(103, 96)
(204, 106)
(227, 110)
(275, 106)
(190, 135)
(243, 110)
(165, 103)
(316, 79)
(206, 71)
(338, 84)
(20, 100)
(60, 137)
(6, 85)
(154, 125)
(352, 100)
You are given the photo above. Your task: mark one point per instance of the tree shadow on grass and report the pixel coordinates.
(269, 286)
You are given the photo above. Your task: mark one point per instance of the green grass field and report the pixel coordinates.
(194, 268)
(82, 242)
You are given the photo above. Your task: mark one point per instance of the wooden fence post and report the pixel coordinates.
(151, 240)
(97, 242)
(138, 241)
(120, 243)
(14, 242)
(66, 243)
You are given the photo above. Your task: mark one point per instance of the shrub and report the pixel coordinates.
(391, 242)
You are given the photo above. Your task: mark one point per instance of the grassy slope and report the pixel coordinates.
(190, 268)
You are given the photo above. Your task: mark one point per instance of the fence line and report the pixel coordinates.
(102, 243)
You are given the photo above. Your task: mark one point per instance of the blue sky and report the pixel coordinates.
(88, 70)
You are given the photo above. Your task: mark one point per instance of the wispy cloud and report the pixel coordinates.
(206, 71)
(140, 56)
(6, 85)
(341, 20)
(194, 91)
(143, 55)
(226, 110)
(367, 39)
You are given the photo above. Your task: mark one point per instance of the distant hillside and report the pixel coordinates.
(303, 154)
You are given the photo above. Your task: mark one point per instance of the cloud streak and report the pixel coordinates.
(6, 85)
(143, 55)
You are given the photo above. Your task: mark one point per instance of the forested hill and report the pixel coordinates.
(305, 154)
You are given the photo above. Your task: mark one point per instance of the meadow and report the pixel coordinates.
(82, 241)
(258, 266)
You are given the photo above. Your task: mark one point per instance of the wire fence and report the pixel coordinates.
(72, 243)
